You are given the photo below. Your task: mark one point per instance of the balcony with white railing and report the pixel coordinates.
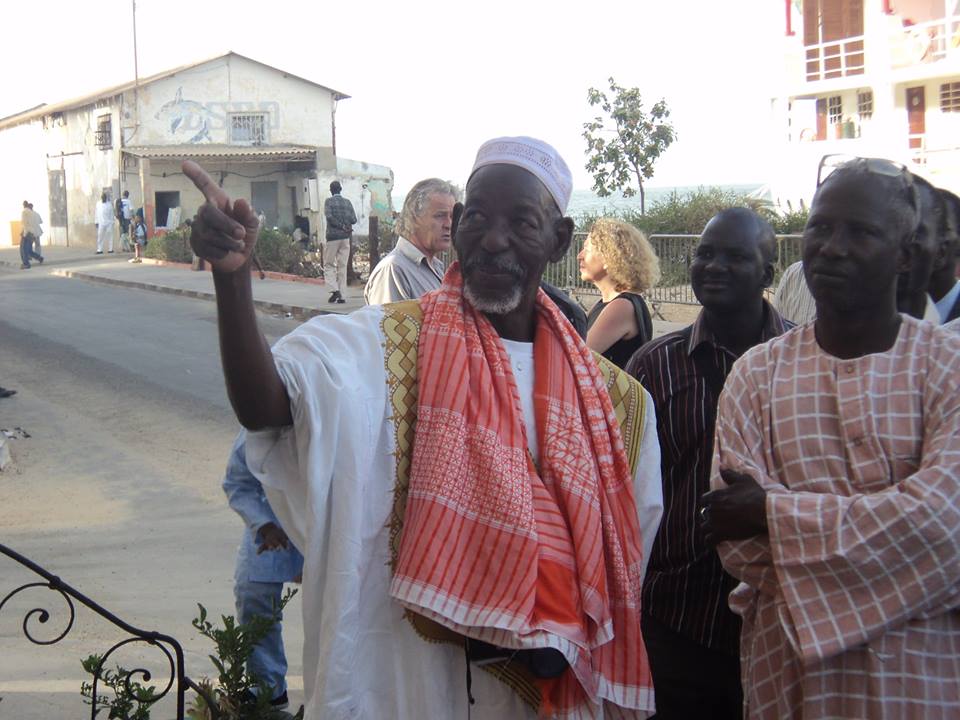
(890, 42)
(834, 59)
(926, 42)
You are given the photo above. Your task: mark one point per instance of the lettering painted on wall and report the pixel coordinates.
(185, 117)
(197, 120)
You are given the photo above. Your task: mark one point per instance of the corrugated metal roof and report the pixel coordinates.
(41, 110)
(234, 153)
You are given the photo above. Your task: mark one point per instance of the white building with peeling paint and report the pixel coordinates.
(264, 134)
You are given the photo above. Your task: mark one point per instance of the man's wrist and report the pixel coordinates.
(238, 277)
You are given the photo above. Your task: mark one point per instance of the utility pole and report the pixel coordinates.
(136, 71)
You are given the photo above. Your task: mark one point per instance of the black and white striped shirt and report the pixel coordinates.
(686, 588)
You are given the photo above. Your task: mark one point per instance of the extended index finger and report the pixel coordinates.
(205, 184)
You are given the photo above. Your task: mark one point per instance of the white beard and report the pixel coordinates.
(493, 306)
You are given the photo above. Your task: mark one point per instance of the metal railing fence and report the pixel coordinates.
(675, 253)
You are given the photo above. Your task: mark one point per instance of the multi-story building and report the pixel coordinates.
(262, 133)
(878, 78)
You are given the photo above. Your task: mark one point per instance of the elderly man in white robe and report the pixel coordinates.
(471, 487)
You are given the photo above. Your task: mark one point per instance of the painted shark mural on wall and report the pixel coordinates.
(186, 116)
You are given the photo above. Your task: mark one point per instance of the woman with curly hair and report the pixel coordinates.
(620, 261)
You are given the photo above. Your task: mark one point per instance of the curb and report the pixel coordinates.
(297, 311)
(271, 274)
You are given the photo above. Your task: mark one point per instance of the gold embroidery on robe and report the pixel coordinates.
(401, 330)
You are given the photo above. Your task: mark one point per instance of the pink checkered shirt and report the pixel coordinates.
(851, 603)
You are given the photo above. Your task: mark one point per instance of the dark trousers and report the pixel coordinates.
(26, 249)
(690, 681)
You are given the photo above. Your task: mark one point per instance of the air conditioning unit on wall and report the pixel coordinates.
(310, 195)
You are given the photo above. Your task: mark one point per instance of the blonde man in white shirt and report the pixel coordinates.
(412, 268)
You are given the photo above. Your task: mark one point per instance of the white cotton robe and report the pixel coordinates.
(330, 479)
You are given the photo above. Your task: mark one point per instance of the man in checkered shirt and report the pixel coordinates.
(836, 480)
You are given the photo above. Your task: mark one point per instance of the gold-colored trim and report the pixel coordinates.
(401, 330)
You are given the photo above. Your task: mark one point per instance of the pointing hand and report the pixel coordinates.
(224, 232)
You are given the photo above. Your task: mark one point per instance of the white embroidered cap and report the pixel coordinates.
(533, 155)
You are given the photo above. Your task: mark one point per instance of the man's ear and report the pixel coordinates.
(455, 220)
(768, 273)
(564, 236)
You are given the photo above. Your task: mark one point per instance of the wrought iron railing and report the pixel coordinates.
(675, 253)
(170, 650)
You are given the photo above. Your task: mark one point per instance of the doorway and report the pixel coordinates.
(165, 202)
(916, 117)
(264, 196)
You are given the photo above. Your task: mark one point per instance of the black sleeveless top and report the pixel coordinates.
(622, 350)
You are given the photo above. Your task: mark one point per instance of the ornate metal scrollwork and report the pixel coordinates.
(42, 615)
(168, 646)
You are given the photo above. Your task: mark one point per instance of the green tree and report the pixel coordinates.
(625, 143)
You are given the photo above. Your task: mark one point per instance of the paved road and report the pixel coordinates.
(117, 488)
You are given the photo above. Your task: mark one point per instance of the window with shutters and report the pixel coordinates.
(104, 133)
(833, 36)
(950, 97)
(248, 128)
(834, 110)
(865, 104)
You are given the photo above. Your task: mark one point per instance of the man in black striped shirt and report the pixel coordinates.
(692, 637)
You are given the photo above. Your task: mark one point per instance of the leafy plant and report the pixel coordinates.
(624, 146)
(278, 252)
(239, 695)
(130, 701)
(688, 213)
(173, 246)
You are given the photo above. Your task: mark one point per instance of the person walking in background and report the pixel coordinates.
(692, 637)
(412, 268)
(341, 218)
(29, 234)
(103, 220)
(836, 497)
(266, 559)
(619, 260)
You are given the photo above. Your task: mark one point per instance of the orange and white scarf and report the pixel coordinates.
(499, 550)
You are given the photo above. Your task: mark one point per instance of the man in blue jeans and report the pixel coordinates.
(30, 234)
(265, 561)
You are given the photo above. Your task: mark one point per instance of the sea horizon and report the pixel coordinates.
(585, 201)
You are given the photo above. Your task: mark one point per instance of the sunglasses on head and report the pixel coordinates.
(877, 166)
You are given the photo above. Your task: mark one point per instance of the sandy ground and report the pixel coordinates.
(117, 489)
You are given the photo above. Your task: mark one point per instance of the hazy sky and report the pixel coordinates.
(430, 81)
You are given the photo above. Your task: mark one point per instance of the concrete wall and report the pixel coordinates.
(236, 179)
(194, 106)
(366, 185)
(191, 107)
